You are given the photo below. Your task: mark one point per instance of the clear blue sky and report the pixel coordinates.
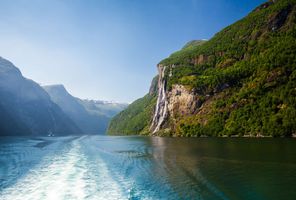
(106, 49)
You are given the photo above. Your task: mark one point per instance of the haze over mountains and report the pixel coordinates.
(27, 109)
(92, 117)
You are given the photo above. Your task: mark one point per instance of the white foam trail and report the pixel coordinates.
(65, 176)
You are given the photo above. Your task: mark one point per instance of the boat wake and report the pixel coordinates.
(67, 174)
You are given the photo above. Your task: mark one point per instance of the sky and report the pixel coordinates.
(106, 49)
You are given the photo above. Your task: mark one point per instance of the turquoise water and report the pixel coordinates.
(105, 167)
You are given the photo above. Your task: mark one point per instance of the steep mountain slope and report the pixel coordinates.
(26, 109)
(88, 115)
(241, 82)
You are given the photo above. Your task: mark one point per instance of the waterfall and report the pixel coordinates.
(162, 104)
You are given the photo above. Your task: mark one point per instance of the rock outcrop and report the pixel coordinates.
(182, 101)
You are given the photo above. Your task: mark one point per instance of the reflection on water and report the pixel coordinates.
(103, 167)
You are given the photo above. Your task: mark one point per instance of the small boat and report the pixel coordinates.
(50, 134)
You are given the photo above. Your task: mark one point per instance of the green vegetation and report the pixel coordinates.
(194, 43)
(135, 119)
(246, 76)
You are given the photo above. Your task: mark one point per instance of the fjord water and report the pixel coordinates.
(105, 167)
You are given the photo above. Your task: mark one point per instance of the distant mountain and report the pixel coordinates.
(92, 117)
(26, 109)
(242, 82)
(107, 108)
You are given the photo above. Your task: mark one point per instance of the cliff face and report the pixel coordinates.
(240, 82)
(182, 101)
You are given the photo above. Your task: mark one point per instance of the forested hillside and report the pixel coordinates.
(240, 82)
